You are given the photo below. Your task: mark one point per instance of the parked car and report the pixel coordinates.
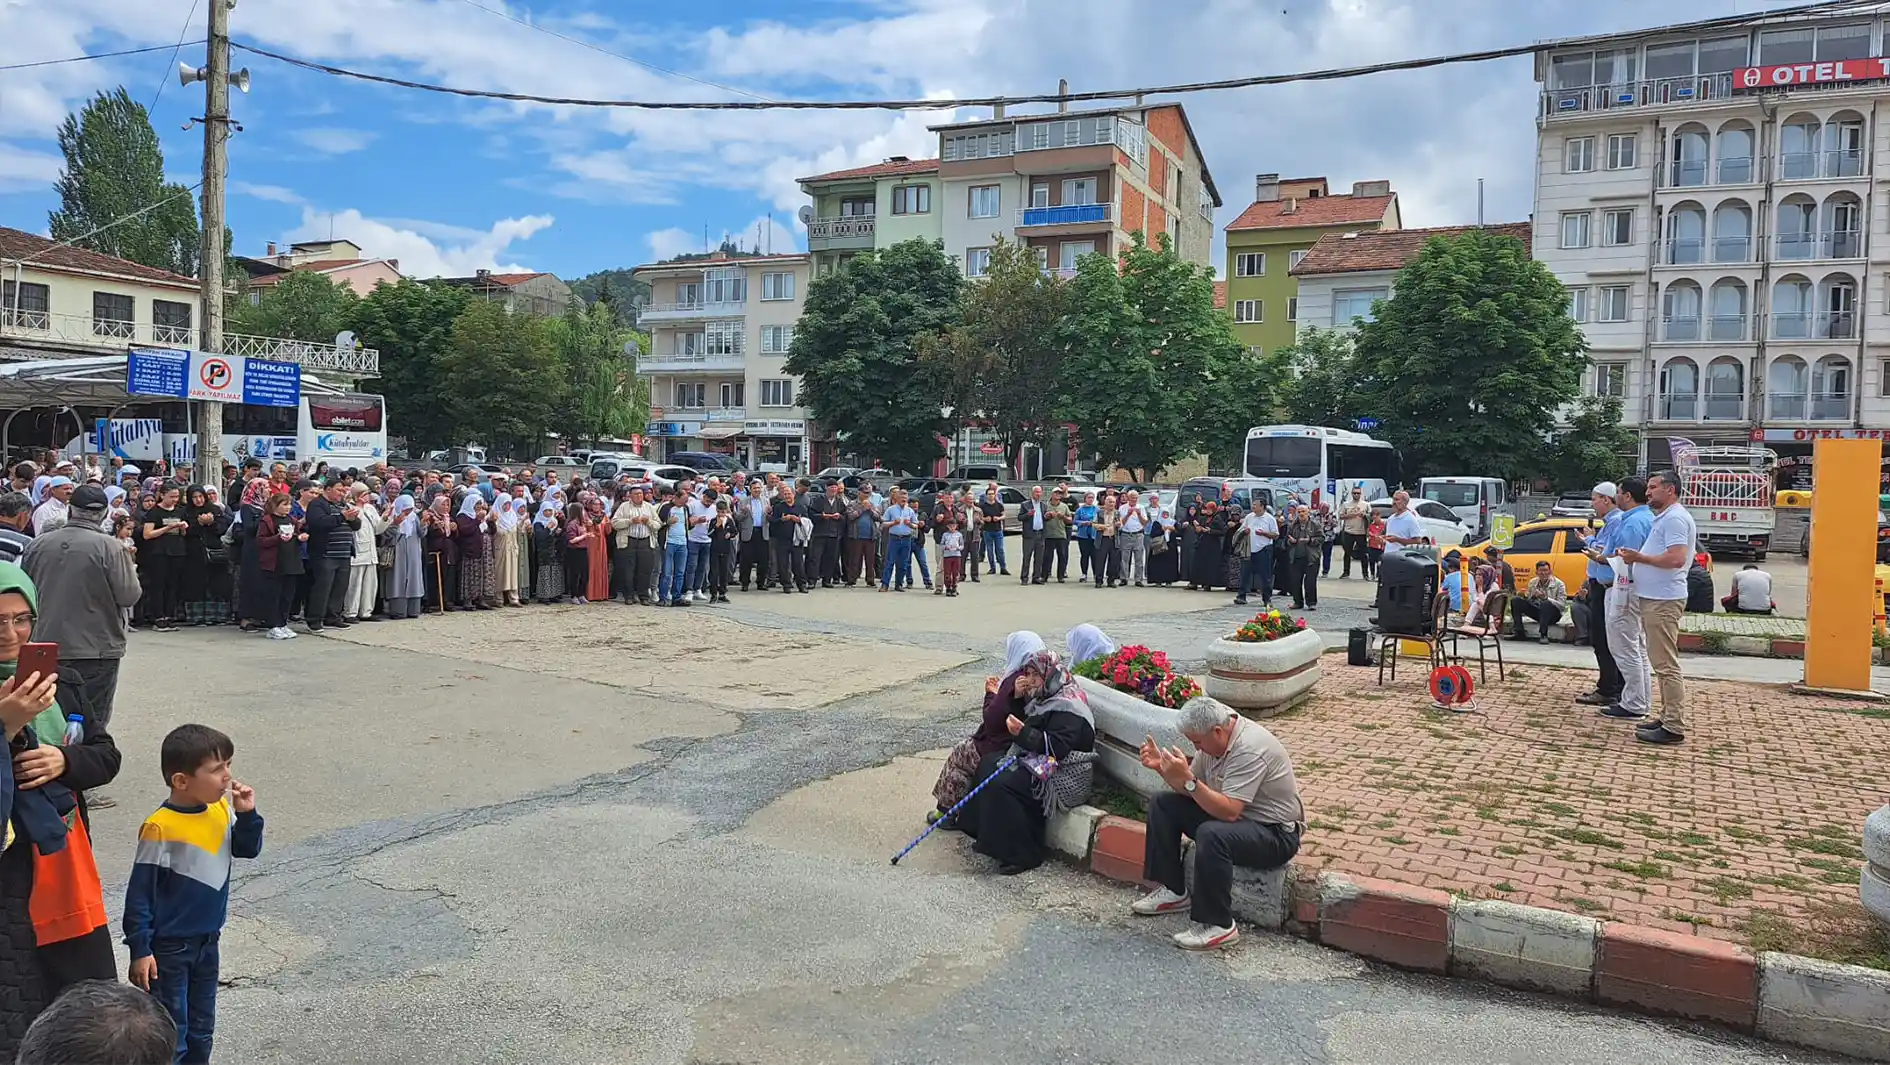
(1472, 499)
(1440, 523)
(1550, 540)
(1883, 540)
(981, 472)
(560, 462)
(486, 469)
(705, 461)
(1573, 505)
(1184, 497)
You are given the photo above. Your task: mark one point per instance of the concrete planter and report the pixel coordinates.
(1122, 721)
(1874, 883)
(1263, 679)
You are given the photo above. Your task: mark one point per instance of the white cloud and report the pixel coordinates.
(767, 233)
(671, 242)
(22, 170)
(419, 255)
(331, 141)
(272, 193)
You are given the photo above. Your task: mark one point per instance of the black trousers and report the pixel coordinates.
(642, 569)
(164, 594)
(789, 561)
(1543, 612)
(1058, 548)
(1218, 847)
(96, 685)
(1106, 561)
(1085, 552)
(754, 559)
(1304, 583)
(577, 571)
(1354, 544)
(281, 597)
(721, 565)
(824, 560)
(324, 575)
(1032, 567)
(1609, 682)
(620, 577)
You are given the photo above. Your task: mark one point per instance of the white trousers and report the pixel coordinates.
(364, 586)
(1627, 641)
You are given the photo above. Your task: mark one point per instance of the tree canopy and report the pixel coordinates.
(1593, 447)
(603, 398)
(622, 293)
(114, 170)
(503, 379)
(411, 322)
(303, 305)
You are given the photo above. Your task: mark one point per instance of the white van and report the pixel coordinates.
(1472, 499)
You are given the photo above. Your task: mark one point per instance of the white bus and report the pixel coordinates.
(345, 430)
(1320, 464)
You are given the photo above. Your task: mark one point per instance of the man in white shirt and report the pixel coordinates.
(1261, 529)
(696, 571)
(1402, 529)
(53, 508)
(1660, 584)
(1132, 538)
(1751, 592)
(635, 523)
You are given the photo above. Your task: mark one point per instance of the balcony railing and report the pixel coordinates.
(1808, 406)
(1832, 163)
(1068, 214)
(1732, 249)
(844, 227)
(1680, 327)
(658, 312)
(1693, 407)
(1719, 407)
(1728, 327)
(689, 362)
(1796, 325)
(1657, 92)
(114, 336)
(1832, 244)
(1679, 407)
(1684, 251)
(1735, 170)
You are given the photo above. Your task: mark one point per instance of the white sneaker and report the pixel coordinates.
(1159, 901)
(289, 633)
(279, 634)
(1207, 937)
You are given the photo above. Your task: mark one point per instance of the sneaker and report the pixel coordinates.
(1593, 698)
(1207, 937)
(1241, 601)
(1658, 733)
(1621, 713)
(281, 633)
(1159, 901)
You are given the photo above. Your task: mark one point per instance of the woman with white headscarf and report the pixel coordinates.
(1086, 642)
(1054, 740)
(507, 519)
(1000, 703)
(407, 582)
(472, 529)
(548, 547)
(364, 570)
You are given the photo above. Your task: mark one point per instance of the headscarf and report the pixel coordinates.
(113, 494)
(469, 507)
(1059, 693)
(407, 522)
(39, 812)
(508, 514)
(38, 494)
(1019, 646)
(1086, 642)
(256, 491)
(549, 508)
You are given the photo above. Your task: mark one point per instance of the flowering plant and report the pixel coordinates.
(1268, 625)
(1143, 673)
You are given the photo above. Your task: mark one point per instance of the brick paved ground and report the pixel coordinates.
(1744, 625)
(1747, 832)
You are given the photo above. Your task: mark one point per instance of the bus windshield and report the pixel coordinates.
(1295, 457)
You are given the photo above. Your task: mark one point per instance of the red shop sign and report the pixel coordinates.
(1812, 73)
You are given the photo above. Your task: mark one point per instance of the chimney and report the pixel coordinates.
(272, 250)
(482, 274)
(1063, 89)
(1371, 188)
(1291, 206)
(1266, 187)
(997, 110)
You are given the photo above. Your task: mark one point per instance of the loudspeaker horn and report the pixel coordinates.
(187, 74)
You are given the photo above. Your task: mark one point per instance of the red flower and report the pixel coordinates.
(1300, 624)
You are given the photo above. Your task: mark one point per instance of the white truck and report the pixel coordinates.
(1730, 493)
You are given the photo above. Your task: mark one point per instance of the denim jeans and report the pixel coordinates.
(696, 569)
(675, 564)
(994, 549)
(187, 985)
(898, 561)
(918, 555)
(1258, 573)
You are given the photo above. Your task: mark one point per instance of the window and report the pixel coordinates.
(984, 201)
(977, 262)
(1292, 308)
(1611, 379)
(29, 304)
(1079, 191)
(1614, 304)
(1883, 379)
(777, 286)
(1575, 229)
(1247, 311)
(1071, 250)
(1293, 258)
(1355, 304)
(777, 392)
(977, 145)
(1040, 195)
(1043, 256)
(691, 394)
(776, 339)
(725, 285)
(722, 338)
(1617, 227)
(732, 393)
(1578, 304)
(689, 293)
(1533, 542)
(912, 199)
(1621, 151)
(170, 322)
(688, 343)
(1578, 155)
(111, 315)
(1250, 264)
(857, 208)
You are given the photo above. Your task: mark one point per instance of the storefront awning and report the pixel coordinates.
(719, 432)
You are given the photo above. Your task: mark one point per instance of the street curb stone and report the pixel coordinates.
(1841, 1008)
(1677, 974)
(1523, 946)
(1406, 926)
(1073, 832)
(1119, 849)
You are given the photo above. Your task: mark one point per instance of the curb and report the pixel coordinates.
(1782, 997)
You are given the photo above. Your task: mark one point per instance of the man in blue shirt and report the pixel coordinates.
(1594, 593)
(901, 523)
(1626, 639)
(1660, 586)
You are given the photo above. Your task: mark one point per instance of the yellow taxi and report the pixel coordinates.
(1547, 539)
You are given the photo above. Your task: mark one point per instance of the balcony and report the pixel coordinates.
(1685, 251)
(1679, 407)
(1069, 215)
(1730, 328)
(1676, 328)
(1658, 92)
(1808, 407)
(846, 233)
(1718, 407)
(81, 334)
(690, 362)
(1692, 407)
(1794, 325)
(691, 311)
(1732, 249)
(1736, 170)
(1834, 163)
(1837, 244)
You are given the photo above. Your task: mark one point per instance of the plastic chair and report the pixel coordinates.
(1432, 638)
(1488, 633)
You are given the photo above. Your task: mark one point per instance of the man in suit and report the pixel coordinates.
(829, 512)
(751, 519)
(1033, 516)
(790, 558)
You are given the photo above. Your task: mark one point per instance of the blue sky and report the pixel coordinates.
(450, 185)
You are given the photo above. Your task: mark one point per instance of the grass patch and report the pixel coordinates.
(1389, 761)
(1833, 831)
(1582, 903)
(1559, 809)
(1645, 870)
(1669, 856)
(1588, 836)
(1836, 848)
(1526, 822)
(1693, 919)
(1449, 832)
(1788, 881)
(1367, 726)
(1510, 851)
(1692, 839)
(1341, 812)
(1830, 929)
(1502, 885)
(1110, 797)
(1324, 826)
(1747, 835)
(1396, 841)
(1726, 888)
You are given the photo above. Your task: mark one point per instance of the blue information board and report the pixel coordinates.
(156, 372)
(271, 384)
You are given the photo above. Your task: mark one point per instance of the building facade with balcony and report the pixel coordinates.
(1070, 184)
(1343, 275)
(1287, 217)
(720, 329)
(1714, 204)
(870, 207)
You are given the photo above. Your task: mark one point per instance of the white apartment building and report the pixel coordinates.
(1716, 205)
(720, 328)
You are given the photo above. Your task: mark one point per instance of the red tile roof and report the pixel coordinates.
(513, 279)
(17, 244)
(1220, 295)
(1337, 253)
(1312, 211)
(889, 168)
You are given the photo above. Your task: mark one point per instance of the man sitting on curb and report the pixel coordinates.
(1237, 799)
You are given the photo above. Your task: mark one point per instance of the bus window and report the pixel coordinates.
(1283, 456)
(1351, 462)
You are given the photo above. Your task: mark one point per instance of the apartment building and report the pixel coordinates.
(1714, 204)
(1287, 217)
(870, 207)
(1343, 275)
(341, 261)
(720, 328)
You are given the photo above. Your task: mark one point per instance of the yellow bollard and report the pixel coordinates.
(1844, 526)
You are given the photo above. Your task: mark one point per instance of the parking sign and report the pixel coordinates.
(1503, 531)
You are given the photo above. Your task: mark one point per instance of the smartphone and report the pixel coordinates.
(40, 658)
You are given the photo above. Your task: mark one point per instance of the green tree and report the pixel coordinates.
(1468, 363)
(1243, 391)
(503, 378)
(411, 322)
(1593, 447)
(1320, 382)
(618, 290)
(1002, 362)
(302, 306)
(114, 169)
(856, 351)
(605, 398)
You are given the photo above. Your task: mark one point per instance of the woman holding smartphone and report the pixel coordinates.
(164, 528)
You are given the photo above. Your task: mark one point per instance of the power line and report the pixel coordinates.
(103, 226)
(1334, 74)
(509, 17)
(165, 78)
(84, 58)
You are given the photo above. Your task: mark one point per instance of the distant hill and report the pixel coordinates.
(624, 294)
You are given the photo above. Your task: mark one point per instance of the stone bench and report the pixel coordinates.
(1261, 897)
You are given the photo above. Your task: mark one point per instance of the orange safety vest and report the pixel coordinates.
(67, 901)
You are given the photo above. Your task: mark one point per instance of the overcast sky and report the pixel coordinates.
(448, 185)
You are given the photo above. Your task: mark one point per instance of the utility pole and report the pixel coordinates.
(216, 169)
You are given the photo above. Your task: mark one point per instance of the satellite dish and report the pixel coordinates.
(805, 214)
(187, 74)
(240, 80)
(345, 341)
(632, 348)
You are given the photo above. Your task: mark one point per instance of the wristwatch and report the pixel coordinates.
(1189, 786)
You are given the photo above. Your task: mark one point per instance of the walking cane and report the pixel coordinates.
(959, 805)
(439, 579)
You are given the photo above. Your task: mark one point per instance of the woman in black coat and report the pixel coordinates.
(1008, 816)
